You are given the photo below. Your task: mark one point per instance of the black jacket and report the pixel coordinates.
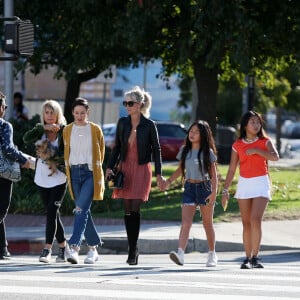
(148, 146)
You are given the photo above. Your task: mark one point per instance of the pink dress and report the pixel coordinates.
(137, 178)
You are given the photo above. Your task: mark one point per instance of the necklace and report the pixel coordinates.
(251, 140)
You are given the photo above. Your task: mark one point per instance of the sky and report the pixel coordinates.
(163, 100)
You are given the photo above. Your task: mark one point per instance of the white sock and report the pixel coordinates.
(180, 251)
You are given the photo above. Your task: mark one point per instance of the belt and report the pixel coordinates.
(79, 166)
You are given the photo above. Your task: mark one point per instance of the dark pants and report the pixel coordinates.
(5, 197)
(52, 199)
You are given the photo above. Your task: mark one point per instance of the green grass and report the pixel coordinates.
(166, 206)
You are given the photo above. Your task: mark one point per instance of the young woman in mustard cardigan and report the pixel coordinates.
(84, 151)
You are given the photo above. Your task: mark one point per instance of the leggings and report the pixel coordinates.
(5, 198)
(52, 199)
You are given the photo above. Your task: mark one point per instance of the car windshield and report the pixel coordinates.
(171, 131)
(111, 130)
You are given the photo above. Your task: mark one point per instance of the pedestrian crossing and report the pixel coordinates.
(25, 278)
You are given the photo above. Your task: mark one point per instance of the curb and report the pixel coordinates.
(118, 245)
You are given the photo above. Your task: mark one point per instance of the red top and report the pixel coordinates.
(251, 165)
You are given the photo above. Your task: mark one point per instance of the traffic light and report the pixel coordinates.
(19, 38)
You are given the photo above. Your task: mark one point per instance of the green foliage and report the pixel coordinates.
(202, 38)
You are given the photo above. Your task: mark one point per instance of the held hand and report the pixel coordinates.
(108, 174)
(159, 181)
(165, 184)
(52, 127)
(26, 165)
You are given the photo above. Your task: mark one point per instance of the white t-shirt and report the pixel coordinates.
(42, 178)
(81, 145)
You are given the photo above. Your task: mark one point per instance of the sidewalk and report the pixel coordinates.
(26, 235)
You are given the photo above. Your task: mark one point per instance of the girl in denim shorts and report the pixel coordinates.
(197, 167)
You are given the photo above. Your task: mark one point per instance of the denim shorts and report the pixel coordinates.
(196, 193)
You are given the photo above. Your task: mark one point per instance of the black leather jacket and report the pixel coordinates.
(147, 143)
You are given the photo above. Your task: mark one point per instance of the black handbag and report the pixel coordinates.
(118, 180)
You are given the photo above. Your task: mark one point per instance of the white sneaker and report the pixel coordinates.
(177, 258)
(212, 259)
(45, 256)
(72, 256)
(92, 256)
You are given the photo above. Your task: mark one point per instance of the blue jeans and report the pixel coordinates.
(83, 188)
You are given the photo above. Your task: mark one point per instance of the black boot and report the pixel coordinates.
(132, 224)
(4, 254)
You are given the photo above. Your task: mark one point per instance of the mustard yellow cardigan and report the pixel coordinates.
(98, 152)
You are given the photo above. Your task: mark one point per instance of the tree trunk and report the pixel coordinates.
(207, 89)
(73, 89)
(278, 129)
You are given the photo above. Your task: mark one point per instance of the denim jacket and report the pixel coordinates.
(7, 144)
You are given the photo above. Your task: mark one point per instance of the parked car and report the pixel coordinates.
(109, 132)
(291, 130)
(171, 137)
(292, 149)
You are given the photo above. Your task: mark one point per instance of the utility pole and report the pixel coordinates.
(8, 64)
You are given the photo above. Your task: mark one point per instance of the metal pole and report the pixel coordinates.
(145, 75)
(103, 103)
(8, 65)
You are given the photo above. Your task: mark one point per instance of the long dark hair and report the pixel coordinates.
(207, 142)
(244, 122)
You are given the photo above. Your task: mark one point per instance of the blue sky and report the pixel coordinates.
(163, 100)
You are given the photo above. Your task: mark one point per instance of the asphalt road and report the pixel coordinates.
(156, 277)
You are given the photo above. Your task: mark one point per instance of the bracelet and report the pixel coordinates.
(225, 191)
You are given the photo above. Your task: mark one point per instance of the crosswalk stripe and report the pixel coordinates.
(261, 283)
(124, 294)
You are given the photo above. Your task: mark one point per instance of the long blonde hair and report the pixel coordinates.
(56, 108)
(139, 95)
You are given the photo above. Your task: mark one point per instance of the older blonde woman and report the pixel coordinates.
(135, 145)
(52, 188)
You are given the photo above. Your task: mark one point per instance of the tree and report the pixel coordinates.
(201, 35)
(82, 40)
(188, 35)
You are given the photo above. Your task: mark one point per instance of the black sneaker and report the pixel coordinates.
(61, 255)
(45, 256)
(246, 264)
(256, 263)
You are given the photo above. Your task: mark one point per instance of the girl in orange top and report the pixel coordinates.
(251, 151)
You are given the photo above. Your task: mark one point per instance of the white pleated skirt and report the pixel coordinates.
(253, 187)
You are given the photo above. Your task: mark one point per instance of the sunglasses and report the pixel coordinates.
(5, 106)
(129, 103)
